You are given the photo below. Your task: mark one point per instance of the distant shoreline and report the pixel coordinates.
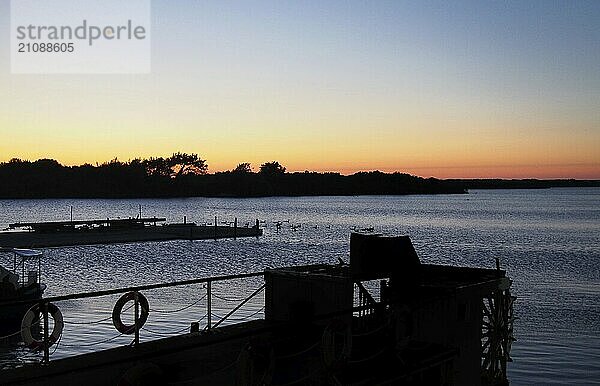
(530, 183)
(421, 187)
(185, 175)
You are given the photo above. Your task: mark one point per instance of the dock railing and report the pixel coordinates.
(45, 308)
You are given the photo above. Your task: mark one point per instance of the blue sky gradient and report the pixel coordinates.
(450, 89)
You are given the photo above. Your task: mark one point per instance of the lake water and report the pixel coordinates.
(547, 240)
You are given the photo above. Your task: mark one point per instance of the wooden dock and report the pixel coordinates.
(47, 235)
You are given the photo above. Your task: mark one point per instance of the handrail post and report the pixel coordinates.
(208, 304)
(46, 335)
(136, 340)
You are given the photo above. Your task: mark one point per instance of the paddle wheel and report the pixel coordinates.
(497, 335)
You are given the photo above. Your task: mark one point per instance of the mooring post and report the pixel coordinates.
(208, 304)
(235, 228)
(136, 339)
(46, 335)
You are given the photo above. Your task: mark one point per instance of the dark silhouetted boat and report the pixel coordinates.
(19, 284)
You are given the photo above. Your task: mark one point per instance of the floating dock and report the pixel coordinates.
(109, 231)
(323, 325)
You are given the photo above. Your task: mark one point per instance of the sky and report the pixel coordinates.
(458, 89)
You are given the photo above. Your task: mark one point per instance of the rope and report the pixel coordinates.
(98, 321)
(171, 333)
(202, 318)
(165, 333)
(93, 322)
(56, 346)
(238, 319)
(216, 316)
(13, 334)
(239, 306)
(227, 299)
(18, 332)
(179, 309)
(249, 316)
(131, 305)
(92, 344)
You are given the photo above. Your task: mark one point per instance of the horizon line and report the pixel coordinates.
(410, 170)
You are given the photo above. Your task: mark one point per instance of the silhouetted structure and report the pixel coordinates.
(110, 231)
(324, 324)
(19, 281)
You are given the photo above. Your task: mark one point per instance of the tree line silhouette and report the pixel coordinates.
(186, 175)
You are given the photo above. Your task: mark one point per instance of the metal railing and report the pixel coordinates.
(367, 305)
(43, 305)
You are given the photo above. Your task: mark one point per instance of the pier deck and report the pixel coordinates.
(36, 239)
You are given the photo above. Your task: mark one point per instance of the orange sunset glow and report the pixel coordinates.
(401, 90)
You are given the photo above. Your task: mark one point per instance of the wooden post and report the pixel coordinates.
(215, 227)
(235, 228)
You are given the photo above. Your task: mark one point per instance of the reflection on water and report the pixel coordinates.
(548, 240)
